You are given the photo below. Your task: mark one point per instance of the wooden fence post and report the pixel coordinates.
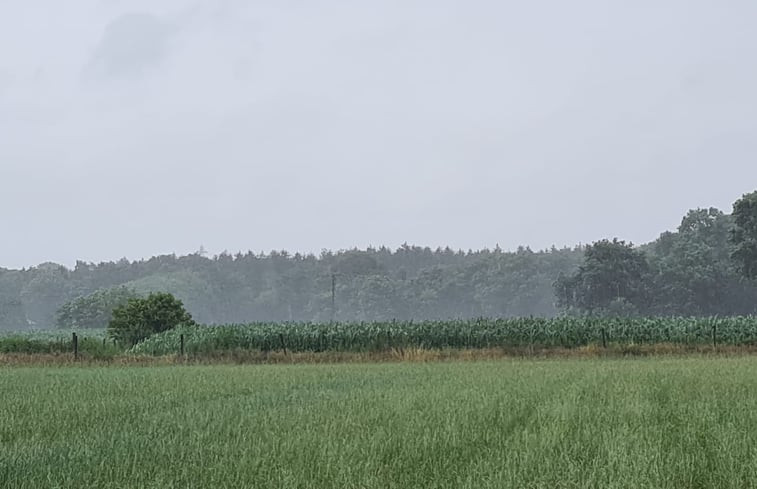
(283, 344)
(714, 336)
(181, 338)
(75, 340)
(604, 338)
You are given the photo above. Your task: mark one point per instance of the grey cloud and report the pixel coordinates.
(5, 81)
(331, 124)
(131, 45)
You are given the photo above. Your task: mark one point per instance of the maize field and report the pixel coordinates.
(470, 334)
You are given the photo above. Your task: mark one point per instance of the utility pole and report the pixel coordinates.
(333, 297)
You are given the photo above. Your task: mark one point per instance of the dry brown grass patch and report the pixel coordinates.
(391, 355)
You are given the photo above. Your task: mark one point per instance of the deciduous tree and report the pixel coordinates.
(139, 318)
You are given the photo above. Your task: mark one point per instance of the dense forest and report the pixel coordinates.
(410, 282)
(686, 272)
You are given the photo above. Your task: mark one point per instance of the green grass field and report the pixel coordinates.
(655, 423)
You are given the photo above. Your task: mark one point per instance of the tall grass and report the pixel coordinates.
(652, 423)
(92, 342)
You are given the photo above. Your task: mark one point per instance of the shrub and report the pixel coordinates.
(139, 318)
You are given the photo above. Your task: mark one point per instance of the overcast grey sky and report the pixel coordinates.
(133, 128)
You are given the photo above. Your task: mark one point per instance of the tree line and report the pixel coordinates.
(706, 267)
(700, 269)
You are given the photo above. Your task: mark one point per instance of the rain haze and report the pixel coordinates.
(138, 128)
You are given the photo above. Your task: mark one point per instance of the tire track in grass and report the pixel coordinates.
(502, 458)
(554, 448)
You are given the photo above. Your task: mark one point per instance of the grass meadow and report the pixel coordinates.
(606, 423)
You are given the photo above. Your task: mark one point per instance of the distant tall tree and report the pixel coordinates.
(12, 315)
(611, 280)
(48, 288)
(744, 235)
(694, 274)
(94, 310)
